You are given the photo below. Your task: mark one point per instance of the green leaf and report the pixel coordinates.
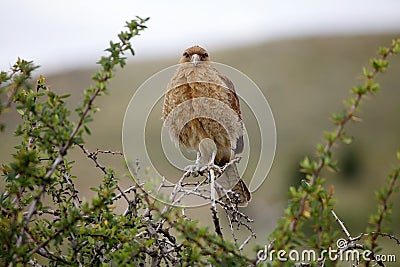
(396, 46)
(338, 118)
(87, 130)
(383, 51)
(346, 139)
(65, 96)
(359, 90)
(308, 166)
(330, 136)
(20, 111)
(320, 149)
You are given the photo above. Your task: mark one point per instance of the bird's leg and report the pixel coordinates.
(213, 154)
(205, 159)
(197, 162)
(211, 165)
(195, 168)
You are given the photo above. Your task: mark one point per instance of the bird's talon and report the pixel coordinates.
(211, 166)
(192, 170)
(218, 169)
(204, 168)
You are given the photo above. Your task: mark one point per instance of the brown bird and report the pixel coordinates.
(202, 113)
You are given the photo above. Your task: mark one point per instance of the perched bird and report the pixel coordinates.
(202, 113)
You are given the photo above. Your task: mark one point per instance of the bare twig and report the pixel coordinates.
(341, 225)
(246, 241)
(235, 239)
(75, 196)
(390, 236)
(93, 157)
(179, 191)
(213, 205)
(351, 242)
(126, 191)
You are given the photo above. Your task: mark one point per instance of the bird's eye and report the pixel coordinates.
(186, 55)
(204, 56)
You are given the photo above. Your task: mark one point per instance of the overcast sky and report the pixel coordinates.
(67, 34)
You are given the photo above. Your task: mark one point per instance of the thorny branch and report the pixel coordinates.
(352, 244)
(93, 157)
(213, 204)
(233, 214)
(101, 79)
(158, 231)
(62, 152)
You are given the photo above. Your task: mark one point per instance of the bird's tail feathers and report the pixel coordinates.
(231, 189)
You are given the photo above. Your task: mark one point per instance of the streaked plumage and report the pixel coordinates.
(201, 103)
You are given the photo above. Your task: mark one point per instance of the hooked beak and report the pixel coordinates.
(195, 59)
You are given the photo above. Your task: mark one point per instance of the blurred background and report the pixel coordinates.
(304, 55)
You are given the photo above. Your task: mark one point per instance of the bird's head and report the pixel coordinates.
(194, 54)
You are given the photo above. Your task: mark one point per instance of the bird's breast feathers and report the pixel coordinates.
(198, 104)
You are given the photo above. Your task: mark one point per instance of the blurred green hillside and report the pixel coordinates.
(304, 80)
